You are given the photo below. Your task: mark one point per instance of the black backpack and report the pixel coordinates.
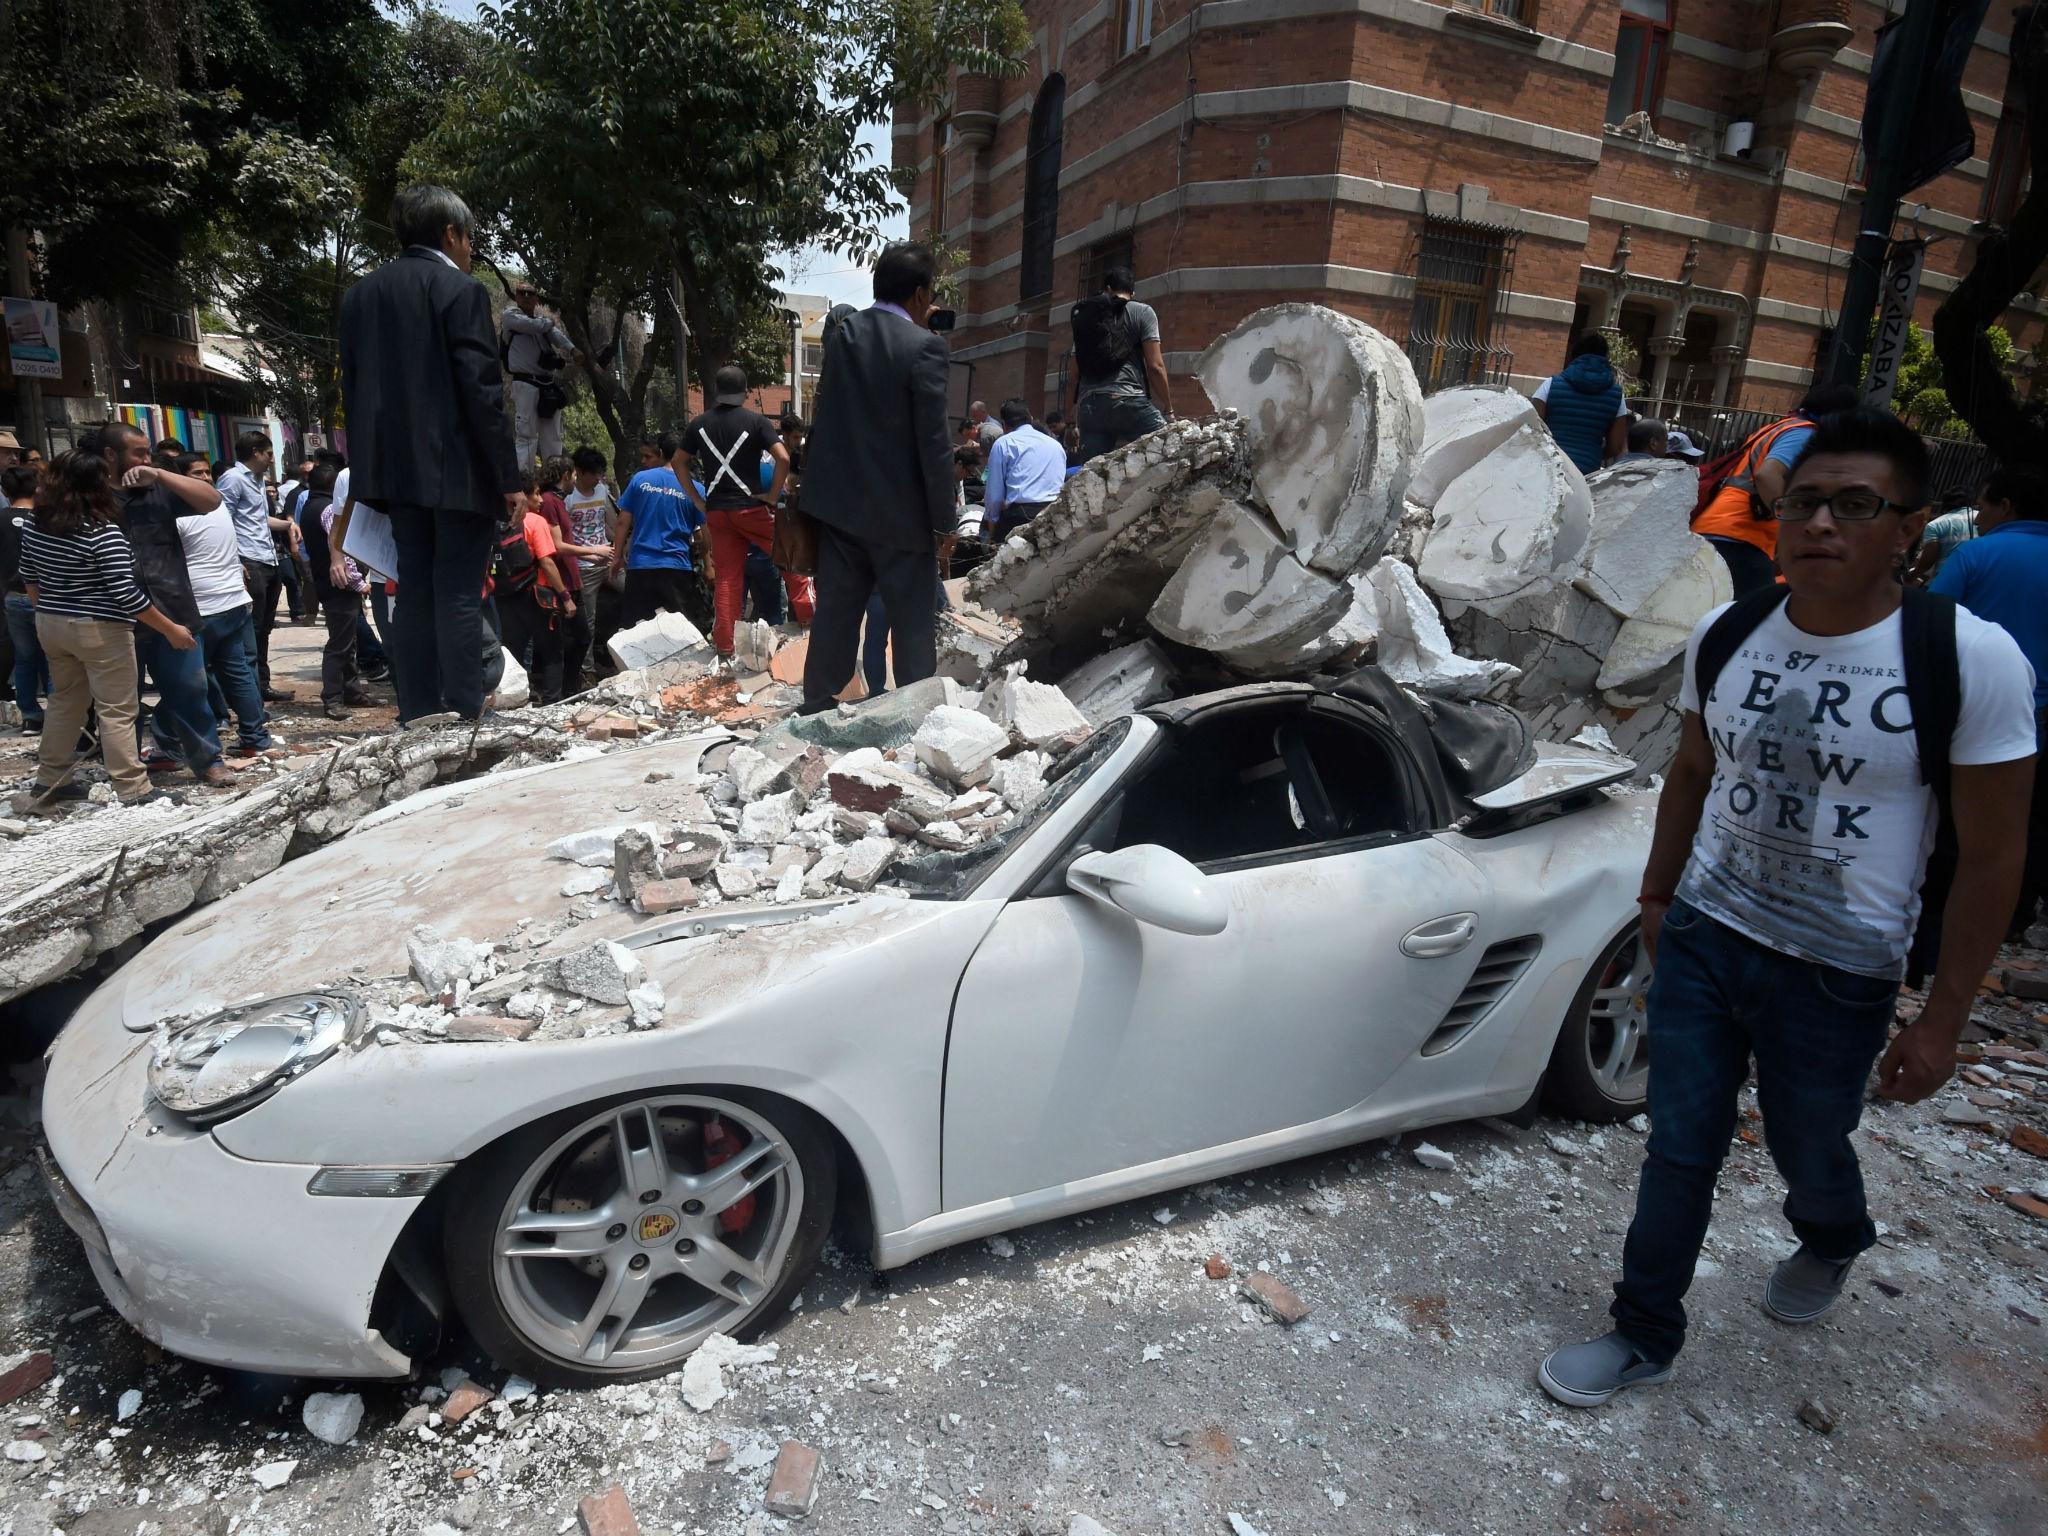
(1102, 335)
(1934, 690)
(513, 568)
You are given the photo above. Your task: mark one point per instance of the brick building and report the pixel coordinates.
(1479, 179)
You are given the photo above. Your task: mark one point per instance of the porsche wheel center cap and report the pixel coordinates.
(655, 1226)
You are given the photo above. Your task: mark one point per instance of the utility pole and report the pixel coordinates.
(1883, 171)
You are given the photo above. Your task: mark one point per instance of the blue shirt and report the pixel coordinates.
(250, 508)
(1024, 465)
(2000, 576)
(663, 521)
(1790, 444)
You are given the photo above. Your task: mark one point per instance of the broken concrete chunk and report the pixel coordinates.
(1639, 537)
(769, 820)
(754, 644)
(1243, 594)
(1037, 714)
(1459, 428)
(587, 882)
(793, 1486)
(654, 640)
(439, 963)
(1514, 523)
(270, 1476)
(959, 745)
(1432, 1156)
(865, 861)
(1119, 682)
(332, 1416)
(648, 1001)
(25, 1451)
(754, 774)
(734, 880)
(1414, 649)
(1641, 664)
(483, 1028)
(692, 854)
(1020, 780)
(604, 972)
(1335, 421)
(636, 861)
(592, 848)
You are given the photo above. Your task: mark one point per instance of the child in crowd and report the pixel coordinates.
(80, 573)
(531, 597)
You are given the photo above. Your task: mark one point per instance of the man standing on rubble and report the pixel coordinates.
(1828, 722)
(1120, 388)
(431, 443)
(879, 478)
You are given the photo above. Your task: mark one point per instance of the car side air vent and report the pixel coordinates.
(1499, 969)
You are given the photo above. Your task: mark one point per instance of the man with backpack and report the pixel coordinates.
(1830, 725)
(1120, 390)
(1739, 488)
(533, 350)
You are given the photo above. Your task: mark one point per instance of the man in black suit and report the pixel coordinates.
(431, 444)
(878, 477)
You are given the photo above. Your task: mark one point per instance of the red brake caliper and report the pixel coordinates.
(720, 1145)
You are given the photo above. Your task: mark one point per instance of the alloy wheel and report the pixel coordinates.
(644, 1229)
(1617, 1021)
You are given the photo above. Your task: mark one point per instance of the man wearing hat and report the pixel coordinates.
(1681, 446)
(534, 349)
(10, 449)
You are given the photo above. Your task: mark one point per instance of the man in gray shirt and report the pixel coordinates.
(1120, 390)
(529, 337)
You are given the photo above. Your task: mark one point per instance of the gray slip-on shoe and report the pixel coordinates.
(1587, 1375)
(1804, 1286)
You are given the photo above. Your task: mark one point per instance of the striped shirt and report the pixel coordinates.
(89, 575)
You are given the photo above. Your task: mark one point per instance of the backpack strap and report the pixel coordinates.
(1725, 635)
(1934, 683)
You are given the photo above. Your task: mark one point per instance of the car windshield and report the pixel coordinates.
(949, 876)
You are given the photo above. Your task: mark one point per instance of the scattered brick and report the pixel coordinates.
(607, 1514)
(2028, 984)
(2023, 1314)
(2029, 1204)
(1888, 1288)
(2027, 1139)
(793, 1486)
(1216, 1267)
(464, 1401)
(658, 896)
(1814, 1414)
(719, 1452)
(1278, 1301)
(462, 1472)
(26, 1377)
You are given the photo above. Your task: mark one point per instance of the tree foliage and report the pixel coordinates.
(1921, 396)
(645, 157)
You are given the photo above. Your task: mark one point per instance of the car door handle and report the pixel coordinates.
(1441, 936)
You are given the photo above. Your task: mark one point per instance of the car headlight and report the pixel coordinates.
(226, 1062)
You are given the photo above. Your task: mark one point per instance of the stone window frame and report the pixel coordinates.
(1133, 22)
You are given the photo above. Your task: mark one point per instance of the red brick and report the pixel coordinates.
(659, 896)
(607, 1514)
(2030, 1204)
(793, 1486)
(1216, 1267)
(1278, 1300)
(488, 1026)
(2027, 1139)
(464, 1401)
(26, 1377)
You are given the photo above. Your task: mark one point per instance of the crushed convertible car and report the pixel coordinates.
(1240, 927)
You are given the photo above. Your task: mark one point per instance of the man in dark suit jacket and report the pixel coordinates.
(878, 477)
(431, 444)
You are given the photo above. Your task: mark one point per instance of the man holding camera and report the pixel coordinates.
(534, 351)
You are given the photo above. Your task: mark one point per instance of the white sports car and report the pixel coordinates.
(1240, 928)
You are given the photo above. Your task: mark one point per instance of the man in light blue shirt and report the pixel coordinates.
(1026, 469)
(242, 491)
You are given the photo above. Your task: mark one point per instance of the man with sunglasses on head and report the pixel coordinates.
(1828, 723)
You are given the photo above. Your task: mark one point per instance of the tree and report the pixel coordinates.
(643, 157)
(1920, 395)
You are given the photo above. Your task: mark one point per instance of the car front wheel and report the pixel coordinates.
(1600, 1070)
(605, 1243)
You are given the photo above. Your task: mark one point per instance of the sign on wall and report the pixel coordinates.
(1895, 319)
(33, 348)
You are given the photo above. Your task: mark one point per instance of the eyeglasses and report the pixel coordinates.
(1847, 506)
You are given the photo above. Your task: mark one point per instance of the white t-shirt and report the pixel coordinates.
(213, 560)
(1543, 394)
(1816, 832)
(341, 492)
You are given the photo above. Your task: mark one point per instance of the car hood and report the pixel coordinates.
(467, 860)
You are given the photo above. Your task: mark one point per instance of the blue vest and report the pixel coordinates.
(1582, 405)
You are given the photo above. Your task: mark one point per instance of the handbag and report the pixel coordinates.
(795, 545)
(551, 399)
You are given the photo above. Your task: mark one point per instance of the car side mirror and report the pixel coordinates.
(1153, 885)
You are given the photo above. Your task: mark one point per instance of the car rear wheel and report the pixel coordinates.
(605, 1243)
(1601, 1068)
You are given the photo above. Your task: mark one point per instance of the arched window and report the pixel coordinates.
(1042, 190)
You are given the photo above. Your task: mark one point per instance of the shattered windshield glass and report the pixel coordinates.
(948, 876)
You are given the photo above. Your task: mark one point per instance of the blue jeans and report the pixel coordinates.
(231, 674)
(764, 585)
(1109, 421)
(182, 722)
(1718, 1000)
(31, 671)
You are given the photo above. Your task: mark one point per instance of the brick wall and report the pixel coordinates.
(1296, 144)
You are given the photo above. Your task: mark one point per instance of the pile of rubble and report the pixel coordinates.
(1330, 515)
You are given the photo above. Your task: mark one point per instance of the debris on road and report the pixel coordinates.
(1814, 1414)
(332, 1416)
(793, 1488)
(607, 1514)
(25, 1375)
(1276, 1299)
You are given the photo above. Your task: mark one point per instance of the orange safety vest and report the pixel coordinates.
(1734, 512)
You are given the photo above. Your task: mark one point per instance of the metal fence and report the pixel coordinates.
(1958, 463)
